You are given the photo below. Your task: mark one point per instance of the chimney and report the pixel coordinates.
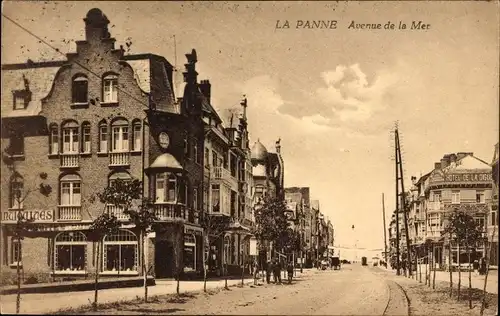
(278, 146)
(461, 155)
(437, 165)
(445, 161)
(96, 26)
(413, 180)
(205, 88)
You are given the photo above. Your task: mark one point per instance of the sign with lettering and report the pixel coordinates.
(468, 177)
(38, 216)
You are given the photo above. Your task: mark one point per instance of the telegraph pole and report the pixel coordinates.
(396, 156)
(403, 202)
(385, 233)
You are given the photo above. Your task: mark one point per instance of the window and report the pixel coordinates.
(120, 253)
(86, 144)
(455, 197)
(195, 199)
(103, 137)
(227, 250)
(80, 89)
(71, 190)
(166, 187)
(480, 221)
(16, 251)
(493, 218)
(207, 157)
(120, 140)
(54, 140)
(216, 198)
(196, 153)
(189, 252)
(16, 145)
(70, 252)
(480, 197)
(20, 102)
(137, 135)
(70, 138)
(110, 89)
(214, 159)
(434, 220)
(186, 146)
(16, 192)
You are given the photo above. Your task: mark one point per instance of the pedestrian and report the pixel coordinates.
(269, 270)
(289, 269)
(403, 266)
(475, 266)
(482, 267)
(277, 272)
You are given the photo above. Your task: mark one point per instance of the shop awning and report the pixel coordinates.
(166, 161)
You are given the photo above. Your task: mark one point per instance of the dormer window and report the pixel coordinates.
(21, 99)
(80, 89)
(110, 89)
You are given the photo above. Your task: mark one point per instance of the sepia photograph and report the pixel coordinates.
(344, 163)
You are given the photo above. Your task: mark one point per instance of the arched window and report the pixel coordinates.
(54, 139)
(227, 250)
(86, 141)
(80, 89)
(120, 136)
(110, 89)
(103, 137)
(70, 138)
(71, 194)
(166, 187)
(70, 252)
(121, 253)
(16, 195)
(137, 135)
(189, 252)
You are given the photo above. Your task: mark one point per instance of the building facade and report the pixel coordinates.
(493, 217)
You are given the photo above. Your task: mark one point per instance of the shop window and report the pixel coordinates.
(165, 187)
(70, 190)
(16, 192)
(86, 144)
(70, 252)
(110, 89)
(16, 251)
(189, 252)
(103, 137)
(120, 136)
(120, 253)
(54, 139)
(137, 135)
(80, 89)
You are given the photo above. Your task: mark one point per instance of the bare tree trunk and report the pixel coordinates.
(433, 267)
(18, 271)
(459, 270)
(204, 264)
(243, 270)
(225, 276)
(431, 258)
(144, 267)
(470, 278)
(450, 267)
(96, 285)
(487, 258)
(426, 279)
(419, 268)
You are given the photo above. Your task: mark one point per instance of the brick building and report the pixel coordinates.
(97, 116)
(301, 196)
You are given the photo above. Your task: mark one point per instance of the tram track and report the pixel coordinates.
(397, 296)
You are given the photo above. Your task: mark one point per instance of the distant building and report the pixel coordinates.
(493, 217)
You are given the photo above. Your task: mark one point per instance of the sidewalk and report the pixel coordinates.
(52, 302)
(477, 281)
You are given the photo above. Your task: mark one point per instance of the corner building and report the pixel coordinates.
(98, 116)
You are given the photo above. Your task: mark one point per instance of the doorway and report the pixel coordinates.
(164, 264)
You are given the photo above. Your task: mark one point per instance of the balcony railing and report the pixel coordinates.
(70, 213)
(69, 160)
(119, 158)
(221, 173)
(166, 211)
(117, 211)
(434, 206)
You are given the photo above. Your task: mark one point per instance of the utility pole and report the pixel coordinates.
(403, 202)
(385, 233)
(396, 156)
(300, 235)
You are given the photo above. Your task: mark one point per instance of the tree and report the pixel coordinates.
(24, 226)
(467, 232)
(271, 222)
(127, 195)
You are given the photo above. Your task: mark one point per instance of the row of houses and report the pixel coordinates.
(458, 182)
(79, 124)
(316, 231)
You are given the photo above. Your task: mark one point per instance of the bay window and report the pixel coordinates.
(165, 187)
(71, 190)
(70, 252)
(110, 89)
(215, 198)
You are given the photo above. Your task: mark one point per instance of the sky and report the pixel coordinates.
(331, 95)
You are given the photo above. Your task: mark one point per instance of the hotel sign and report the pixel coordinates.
(468, 177)
(38, 216)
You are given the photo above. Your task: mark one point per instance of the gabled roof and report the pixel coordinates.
(468, 162)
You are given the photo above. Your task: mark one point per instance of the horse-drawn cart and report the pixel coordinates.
(336, 263)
